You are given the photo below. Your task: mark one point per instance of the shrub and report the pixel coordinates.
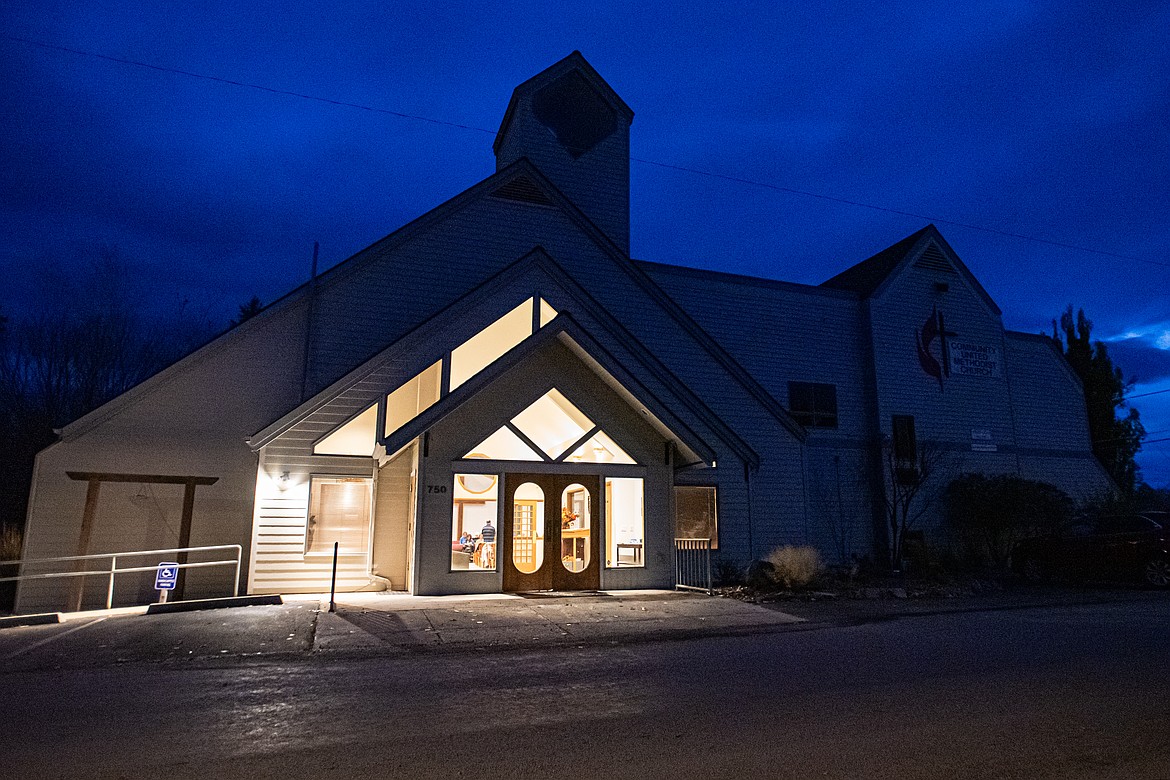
(10, 540)
(795, 567)
(727, 572)
(991, 514)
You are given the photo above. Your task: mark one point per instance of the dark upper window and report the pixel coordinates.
(905, 442)
(813, 405)
(905, 445)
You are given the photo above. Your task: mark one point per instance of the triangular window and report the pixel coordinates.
(553, 423)
(599, 449)
(547, 313)
(503, 445)
(557, 431)
(355, 437)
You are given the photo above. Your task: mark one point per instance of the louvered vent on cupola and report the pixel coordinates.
(524, 190)
(932, 259)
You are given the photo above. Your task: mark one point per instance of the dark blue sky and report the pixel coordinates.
(1046, 119)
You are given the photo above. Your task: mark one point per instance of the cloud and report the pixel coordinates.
(1145, 358)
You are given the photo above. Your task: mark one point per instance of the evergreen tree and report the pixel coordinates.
(1116, 439)
(248, 310)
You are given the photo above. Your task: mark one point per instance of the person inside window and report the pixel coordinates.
(487, 547)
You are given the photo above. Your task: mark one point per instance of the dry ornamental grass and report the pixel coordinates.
(795, 567)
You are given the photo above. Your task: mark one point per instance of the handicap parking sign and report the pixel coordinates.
(167, 576)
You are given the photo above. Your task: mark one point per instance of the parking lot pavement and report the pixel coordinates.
(101, 638)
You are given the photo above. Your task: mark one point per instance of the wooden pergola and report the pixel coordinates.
(95, 480)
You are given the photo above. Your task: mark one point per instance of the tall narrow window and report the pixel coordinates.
(339, 511)
(576, 528)
(528, 528)
(625, 522)
(905, 445)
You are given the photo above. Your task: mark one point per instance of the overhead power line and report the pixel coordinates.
(1144, 395)
(916, 215)
(668, 166)
(248, 85)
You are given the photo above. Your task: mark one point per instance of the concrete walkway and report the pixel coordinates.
(374, 624)
(391, 621)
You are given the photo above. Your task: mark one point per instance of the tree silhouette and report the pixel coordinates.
(248, 310)
(87, 344)
(1116, 440)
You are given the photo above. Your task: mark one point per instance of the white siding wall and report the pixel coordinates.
(191, 420)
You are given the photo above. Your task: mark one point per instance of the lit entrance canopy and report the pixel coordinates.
(551, 429)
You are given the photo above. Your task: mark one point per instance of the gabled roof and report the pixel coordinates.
(575, 61)
(537, 259)
(524, 168)
(869, 277)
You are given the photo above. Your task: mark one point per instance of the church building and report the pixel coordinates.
(497, 397)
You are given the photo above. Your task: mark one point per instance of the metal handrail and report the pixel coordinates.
(113, 570)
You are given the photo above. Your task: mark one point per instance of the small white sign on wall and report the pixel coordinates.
(974, 360)
(981, 441)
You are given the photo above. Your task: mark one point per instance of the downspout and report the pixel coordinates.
(804, 485)
(312, 295)
(747, 478)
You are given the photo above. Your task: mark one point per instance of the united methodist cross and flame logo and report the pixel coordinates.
(934, 329)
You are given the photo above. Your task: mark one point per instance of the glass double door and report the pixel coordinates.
(551, 539)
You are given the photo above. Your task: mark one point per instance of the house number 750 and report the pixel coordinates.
(436, 488)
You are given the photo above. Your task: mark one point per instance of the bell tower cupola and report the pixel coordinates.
(572, 126)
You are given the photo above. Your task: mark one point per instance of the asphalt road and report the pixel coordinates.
(1068, 692)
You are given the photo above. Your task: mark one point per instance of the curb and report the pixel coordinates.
(224, 603)
(39, 619)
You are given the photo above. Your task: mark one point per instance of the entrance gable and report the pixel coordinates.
(540, 277)
(554, 404)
